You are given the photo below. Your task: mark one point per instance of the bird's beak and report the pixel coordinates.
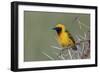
(54, 28)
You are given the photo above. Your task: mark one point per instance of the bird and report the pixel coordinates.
(64, 37)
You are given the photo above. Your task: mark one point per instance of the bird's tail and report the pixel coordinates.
(74, 48)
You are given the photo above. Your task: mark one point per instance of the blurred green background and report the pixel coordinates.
(39, 36)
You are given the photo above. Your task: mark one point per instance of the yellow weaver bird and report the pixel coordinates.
(64, 37)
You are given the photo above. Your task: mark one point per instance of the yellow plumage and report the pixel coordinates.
(64, 37)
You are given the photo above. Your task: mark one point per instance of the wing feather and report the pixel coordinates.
(70, 36)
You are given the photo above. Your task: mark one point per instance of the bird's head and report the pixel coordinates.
(59, 28)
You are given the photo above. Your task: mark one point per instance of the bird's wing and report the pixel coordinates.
(70, 36)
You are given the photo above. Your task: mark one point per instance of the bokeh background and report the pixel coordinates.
(39, 36)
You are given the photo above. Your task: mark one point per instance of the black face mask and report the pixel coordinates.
(58, 29)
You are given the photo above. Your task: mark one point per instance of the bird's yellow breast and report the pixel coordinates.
(65, 40)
